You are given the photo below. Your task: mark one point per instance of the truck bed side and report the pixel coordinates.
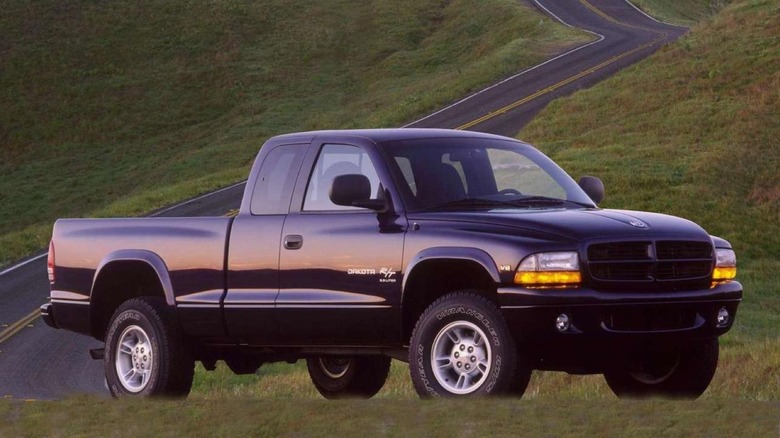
(102, 262)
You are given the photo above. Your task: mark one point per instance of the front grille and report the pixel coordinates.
(671, 249)
(661, 265)
(682, 270)
(619, 251)
(622, 271)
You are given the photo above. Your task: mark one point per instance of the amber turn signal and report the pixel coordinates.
(725, 265)
(726, 273)
(545, 278)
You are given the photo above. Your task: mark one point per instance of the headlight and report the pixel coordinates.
(549, 269)
(725, 265)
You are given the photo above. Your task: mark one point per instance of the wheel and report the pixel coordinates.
(461, 346)
(677, 372)
(348, 376)
(145, 355)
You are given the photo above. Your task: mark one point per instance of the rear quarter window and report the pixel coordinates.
(276, 180)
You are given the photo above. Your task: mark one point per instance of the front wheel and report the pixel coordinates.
(461, 346)
(145, 355)
(348, 376)
(676, 372)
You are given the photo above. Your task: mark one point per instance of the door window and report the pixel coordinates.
(335, 160)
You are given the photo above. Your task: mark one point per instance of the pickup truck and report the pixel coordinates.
(472, 257)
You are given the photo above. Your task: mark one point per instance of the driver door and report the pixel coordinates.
(339, 266)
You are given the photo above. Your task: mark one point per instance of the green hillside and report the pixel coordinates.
(683, 12)
(117, 108)
(693, 131)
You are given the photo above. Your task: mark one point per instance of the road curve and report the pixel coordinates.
(623, 34)
(39, 363)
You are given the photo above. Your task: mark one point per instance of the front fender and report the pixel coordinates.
(453, 252)
(718, 242)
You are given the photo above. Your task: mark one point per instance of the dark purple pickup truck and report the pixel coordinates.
(473, 257)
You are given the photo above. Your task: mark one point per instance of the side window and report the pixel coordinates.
(274, 186)
(335, 160)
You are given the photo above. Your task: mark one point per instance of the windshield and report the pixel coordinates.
(474, 173)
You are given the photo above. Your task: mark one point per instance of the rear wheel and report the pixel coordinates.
(348, 376)
(461, 346)
(145, 355)
(677, 372)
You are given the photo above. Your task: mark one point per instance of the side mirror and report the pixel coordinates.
(593, 187)
(354, 191)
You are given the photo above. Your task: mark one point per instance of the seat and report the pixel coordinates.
(443, 184)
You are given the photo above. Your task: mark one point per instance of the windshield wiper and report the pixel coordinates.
(545, 200)
(537, 200)
(524, 202)
(472, 203)
(549, 200)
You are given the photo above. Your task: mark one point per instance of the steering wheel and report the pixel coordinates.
(509, 192)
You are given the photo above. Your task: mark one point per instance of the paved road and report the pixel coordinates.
(624, 36)
(37, 362)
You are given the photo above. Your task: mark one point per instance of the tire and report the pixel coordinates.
(477, 355)
(522, 376)
(677, 372)
(153, 346)
(338, 377)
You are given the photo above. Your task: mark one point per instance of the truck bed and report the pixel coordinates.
(191, 250)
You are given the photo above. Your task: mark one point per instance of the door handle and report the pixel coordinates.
(293, 241)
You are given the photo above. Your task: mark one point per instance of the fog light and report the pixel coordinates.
(723, 317)
(562, 322)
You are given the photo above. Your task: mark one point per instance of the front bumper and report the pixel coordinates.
(611, 319)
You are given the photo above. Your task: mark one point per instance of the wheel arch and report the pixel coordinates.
(122, 275)
(437, 271)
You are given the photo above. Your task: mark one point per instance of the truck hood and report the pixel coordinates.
(580, 224)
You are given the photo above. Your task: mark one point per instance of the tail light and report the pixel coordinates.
(50, 262)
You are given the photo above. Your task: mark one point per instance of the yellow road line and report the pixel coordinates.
(602, 14)
(551, 88)
(619, 23)
(18, 325)
(513, 105)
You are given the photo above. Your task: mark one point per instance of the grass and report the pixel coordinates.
(84, 417)
(119, 108)
(687, 12)
(696, 136)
